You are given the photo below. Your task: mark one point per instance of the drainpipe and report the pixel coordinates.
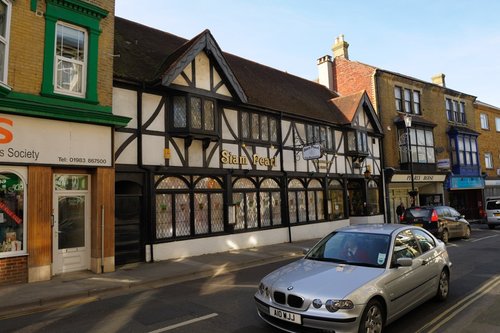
(102, 238)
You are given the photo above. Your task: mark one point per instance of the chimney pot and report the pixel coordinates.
(340, 48)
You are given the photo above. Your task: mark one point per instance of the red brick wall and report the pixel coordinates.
(13, 270)
(351, 77)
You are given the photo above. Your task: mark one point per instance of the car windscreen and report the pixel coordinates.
(356, 248)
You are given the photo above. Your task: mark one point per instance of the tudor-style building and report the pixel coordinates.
(56, 132)
(224, 153)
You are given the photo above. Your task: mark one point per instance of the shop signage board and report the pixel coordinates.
(43, 141)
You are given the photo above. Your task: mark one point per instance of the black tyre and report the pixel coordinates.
(445, 237)
(372, 320)
(443, 285)
(467, 232)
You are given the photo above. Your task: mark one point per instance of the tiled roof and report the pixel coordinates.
(144, 53)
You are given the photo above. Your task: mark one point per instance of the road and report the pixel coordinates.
(225, 303)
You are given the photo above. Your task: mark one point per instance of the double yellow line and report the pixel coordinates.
(446, 316)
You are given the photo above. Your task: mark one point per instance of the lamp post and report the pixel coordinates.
(412, 193)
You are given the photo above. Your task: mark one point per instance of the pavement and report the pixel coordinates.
(82, 287)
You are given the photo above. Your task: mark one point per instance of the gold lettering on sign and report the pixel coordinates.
(264, 160)
(228, 158)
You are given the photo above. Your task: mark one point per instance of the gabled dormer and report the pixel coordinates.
(200, 76)
(360, 121)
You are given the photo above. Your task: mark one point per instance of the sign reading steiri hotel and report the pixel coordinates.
(43, 141)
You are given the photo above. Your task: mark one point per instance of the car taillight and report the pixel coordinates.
(434, 216)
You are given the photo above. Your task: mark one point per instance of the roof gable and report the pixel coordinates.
(184, 56)
(355, 105)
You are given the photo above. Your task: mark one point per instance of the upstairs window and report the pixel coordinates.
(455, 111)
(70, 60)
(320, 134)
(497, 124)
(5, 8)
(464, 150)
(488, 160)
(484, 121)
(194, 113)
(257, 127)
(407, 100)
(421, 145)
(357, 141)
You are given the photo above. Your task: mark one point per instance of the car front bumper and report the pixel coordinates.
(310, 323)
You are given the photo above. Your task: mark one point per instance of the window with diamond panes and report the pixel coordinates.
(297, 201)
(208, 206)
(194, 113)
(172, 222)
(270, 203)
(245, 200)
(258, 127)
(336, 199)
(180, 112)
(315, 198)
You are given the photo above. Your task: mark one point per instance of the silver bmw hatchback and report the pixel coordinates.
(357, 279)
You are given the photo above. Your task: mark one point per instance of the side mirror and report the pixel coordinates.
(404, 262)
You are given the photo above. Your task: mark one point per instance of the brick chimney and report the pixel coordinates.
(325, 74)
(340, 48)
(439, 79)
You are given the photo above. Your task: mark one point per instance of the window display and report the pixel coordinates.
(11, 214)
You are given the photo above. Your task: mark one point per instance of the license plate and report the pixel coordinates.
(496, 214)
(285, 315)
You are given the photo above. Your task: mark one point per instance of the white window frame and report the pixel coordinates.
(78, 62)
(497, 124)
(484, 121)
(488, 160)
(5, 41)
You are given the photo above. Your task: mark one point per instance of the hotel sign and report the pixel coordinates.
(42, 141)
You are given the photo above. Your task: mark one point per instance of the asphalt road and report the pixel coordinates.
(225, 303)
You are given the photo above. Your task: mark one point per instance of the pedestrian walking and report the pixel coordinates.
(400, 211)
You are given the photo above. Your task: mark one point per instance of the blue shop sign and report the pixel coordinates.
(463, 183)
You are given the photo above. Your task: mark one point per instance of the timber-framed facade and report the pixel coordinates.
(224, 153)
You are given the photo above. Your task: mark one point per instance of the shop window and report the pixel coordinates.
(172, 208)
(208, 206)
(372, 198)
(270, 203)
(245, 201)
(336, 200)
(305, 203)
(12, 225)
(356, 198)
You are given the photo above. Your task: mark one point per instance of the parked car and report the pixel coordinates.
(443, 222)
(492, 212)
(393, 269)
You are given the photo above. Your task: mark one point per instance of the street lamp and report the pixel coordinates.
(412, 193)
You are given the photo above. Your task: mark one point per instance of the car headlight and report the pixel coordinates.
(335, 305)
(263, 289)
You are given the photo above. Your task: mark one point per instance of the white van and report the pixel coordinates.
(492, 209)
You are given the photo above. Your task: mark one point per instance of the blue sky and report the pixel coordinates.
(460, 38)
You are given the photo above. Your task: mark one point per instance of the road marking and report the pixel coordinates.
(184, 323)
(483, 238)
(458, 307)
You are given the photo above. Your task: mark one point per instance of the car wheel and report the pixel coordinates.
(445, 237)
(372, 320)
(491, 226)
(467, 233)
(443, 285)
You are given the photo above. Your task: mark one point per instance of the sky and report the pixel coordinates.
(418, 38)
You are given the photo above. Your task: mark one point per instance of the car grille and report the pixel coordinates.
(292, 300)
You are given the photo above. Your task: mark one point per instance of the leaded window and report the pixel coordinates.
(245, 201)
(305, 204)
(194, 114)
(336, 194)
(320, 134)
(257, 127)
(270, 203)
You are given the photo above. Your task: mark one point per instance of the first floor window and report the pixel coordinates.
(421, 146)
(488, 160)
(4, 38)
(484, 121)
(12, 226)
(70, 59)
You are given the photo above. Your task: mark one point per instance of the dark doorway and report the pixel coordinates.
(129, 246)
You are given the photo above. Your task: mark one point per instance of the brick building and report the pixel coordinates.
(488, 124)
(443, 166)
(56, 128)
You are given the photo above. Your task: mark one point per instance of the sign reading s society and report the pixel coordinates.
(43, 141)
